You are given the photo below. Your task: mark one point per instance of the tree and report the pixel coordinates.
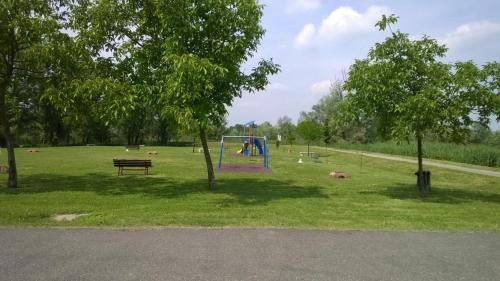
(404, 84)
(266, 129)
(479, 133)
(494, 139)
(337, 123)
(326, 110)
(30, 34)
(207, 43)
(310, 131)
(185, 57)
(286, 129)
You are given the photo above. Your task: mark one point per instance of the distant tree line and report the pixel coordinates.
(40, 124)
(332, 116)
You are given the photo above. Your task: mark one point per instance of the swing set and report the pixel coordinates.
(247, 157)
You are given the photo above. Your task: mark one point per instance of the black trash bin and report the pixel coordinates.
(426, 178)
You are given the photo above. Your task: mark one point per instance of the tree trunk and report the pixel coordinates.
(308, 150)
(208, 159)
(5, 121)
(420, 181)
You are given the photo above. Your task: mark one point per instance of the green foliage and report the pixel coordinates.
(287, 129)
(386, 21)
(479, 133)
(31, 38)
(309, 130)
(183, 57)
(337, 123)
(477, 154)
(266, 129)
(190, 90)
(30, 42)
(490, 76)
(406, 87)
(494, 139)
(206, 44)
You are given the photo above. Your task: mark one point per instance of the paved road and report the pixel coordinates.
(246, 254)
(426, 162)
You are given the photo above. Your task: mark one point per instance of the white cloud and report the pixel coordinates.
(322, 87)
(306, 35)
(277, 87)
(471, 33)
(294, 6)
(343, 21)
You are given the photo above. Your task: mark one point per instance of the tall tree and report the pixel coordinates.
(207, 44)
(411, 92)
(336, 122)
(266, 129)
(287, 129)
(185, 57)
(310, 131)
(30, 32)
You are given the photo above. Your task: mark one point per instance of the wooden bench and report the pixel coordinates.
(132, 147)
(124, 164)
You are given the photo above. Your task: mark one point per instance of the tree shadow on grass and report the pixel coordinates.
(262, 191)
(244, 191)
(437, 195)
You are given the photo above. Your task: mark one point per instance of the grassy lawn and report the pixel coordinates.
(380, 195)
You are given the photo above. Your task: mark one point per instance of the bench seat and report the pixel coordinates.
(124, 164)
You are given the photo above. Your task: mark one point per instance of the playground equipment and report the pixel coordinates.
(252, 149)
(250, 143)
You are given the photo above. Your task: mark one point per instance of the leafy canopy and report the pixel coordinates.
(207, 43)
(183, 58)
(309, 130)
(405, 84)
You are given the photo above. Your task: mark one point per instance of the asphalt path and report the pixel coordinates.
(246, 254)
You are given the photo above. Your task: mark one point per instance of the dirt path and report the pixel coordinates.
(426, 162)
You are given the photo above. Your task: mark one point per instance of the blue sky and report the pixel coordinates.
(315, 41)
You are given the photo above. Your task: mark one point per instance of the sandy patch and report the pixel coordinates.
(68, 217)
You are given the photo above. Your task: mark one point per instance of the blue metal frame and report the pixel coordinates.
(220, 152)
(266, 154)
(266, 150)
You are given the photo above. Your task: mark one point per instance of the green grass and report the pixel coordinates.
(380, 195)
(475, 154)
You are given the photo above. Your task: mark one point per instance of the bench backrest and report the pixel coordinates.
(131, 163)
(132, 146)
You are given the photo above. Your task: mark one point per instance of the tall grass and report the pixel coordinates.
(483, 155)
